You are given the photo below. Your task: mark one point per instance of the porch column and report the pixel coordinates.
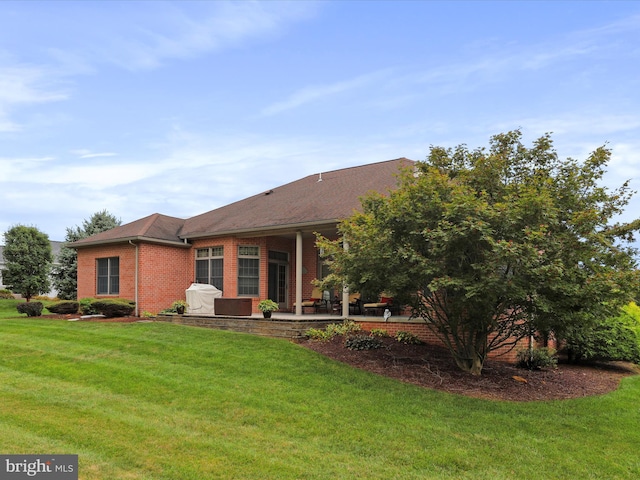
(345, 288)
(298, 272)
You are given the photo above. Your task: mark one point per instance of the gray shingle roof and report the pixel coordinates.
(305, 201)
(155, 227)
(319, 199)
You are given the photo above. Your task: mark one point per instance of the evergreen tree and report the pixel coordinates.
(65, 274)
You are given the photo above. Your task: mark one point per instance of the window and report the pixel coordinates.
(209, 266)
(108, 276)
(248, 271)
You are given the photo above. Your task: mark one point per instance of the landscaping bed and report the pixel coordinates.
(432, 367)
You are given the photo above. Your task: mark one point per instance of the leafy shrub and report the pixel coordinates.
(113, 308)
(333, 329)
(64, 306)
(318, 334)
(407, 338)
(6, 294)
(86, 306)
(146, 314)
(32, 309)
(378, 332)
(344, 328)
(615, 338)
(536, 358)
(362, 342)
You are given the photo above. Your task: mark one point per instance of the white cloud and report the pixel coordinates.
(84, 153)
(24, 85)
(173, 33)
(315, 93)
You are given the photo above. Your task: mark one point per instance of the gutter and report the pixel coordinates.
(290, 228)
(138, 238)
(135, 281)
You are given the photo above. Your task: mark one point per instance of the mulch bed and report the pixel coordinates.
(432, 367)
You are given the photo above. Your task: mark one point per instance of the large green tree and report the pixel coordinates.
(28, 257)
(65, 274)
(490, 245)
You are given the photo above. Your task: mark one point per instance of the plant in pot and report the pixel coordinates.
(267, 306)
(179, 306)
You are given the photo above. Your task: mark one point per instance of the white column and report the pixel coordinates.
(345, 288)
(298, 272)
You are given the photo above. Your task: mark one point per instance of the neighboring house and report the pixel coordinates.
(260, 247)
(55, 250)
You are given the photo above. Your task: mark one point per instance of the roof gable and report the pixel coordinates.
(155, 228)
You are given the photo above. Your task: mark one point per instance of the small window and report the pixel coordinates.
(108, 276)
(210, 266)
(248, 271)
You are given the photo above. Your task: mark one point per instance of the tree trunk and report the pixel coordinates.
(471, 365)
(471, 358)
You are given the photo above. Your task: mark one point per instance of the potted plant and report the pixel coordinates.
(179, 306)
(267, 306)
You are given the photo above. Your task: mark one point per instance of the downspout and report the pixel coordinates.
(135, 281)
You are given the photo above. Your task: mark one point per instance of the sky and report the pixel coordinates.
(142, 107)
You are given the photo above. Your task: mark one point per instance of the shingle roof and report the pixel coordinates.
(155, 227)
(319, 199)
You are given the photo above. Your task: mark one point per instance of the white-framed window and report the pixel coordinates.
(210, 266)
(248, 270)
(108, 276)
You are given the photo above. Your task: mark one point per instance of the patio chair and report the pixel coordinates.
(377, 308)
(316, 301)
(355, 304)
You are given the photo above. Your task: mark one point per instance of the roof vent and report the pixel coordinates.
(269, 192)
(320, 177)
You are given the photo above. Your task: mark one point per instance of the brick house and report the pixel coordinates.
(260, 247)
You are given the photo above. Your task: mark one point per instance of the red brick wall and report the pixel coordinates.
(230, 274)
(87, 270)
(164, 273)
(422, 331)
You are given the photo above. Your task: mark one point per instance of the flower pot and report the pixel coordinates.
(180, 310)
(266, 314)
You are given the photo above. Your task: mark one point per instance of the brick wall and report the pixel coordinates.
(422, 331)
(165, 272)
(87, 270)
(163, 276)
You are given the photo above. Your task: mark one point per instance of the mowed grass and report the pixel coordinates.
(161, 401)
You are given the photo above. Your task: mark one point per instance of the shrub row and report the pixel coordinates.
(94, 306)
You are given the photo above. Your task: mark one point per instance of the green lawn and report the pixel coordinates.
(161, 401)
